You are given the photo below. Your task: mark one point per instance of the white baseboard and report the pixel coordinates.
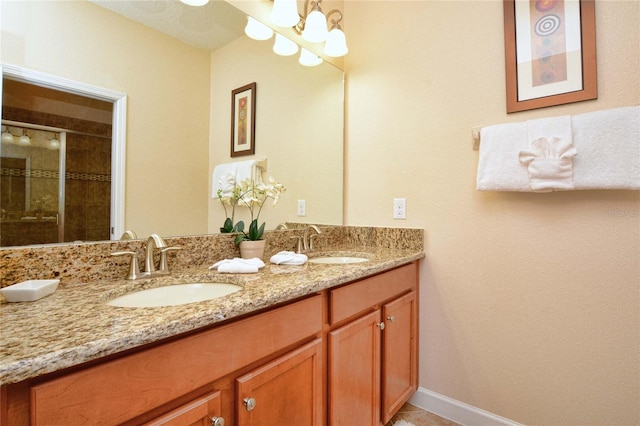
(456, 411)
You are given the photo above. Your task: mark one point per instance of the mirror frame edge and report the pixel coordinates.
(118, 141)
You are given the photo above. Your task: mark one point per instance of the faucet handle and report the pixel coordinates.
(164, 266)
(299, 245)
(134, 269)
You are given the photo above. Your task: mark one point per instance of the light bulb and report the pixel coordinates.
(309, 59)
(257, 30)
(285, 13)
(195, 2)
(7, 137)
(54, 144)
(24, 140)
(315, 27)
(284, 47)
(336, 44)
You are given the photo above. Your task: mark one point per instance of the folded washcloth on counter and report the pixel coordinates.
(288, 258)
(238, 266)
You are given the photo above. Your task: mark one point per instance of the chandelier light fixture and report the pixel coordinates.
(313, 28)
(312, 25)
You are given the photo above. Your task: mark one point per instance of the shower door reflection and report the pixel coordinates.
(30, 186)
(55, 187)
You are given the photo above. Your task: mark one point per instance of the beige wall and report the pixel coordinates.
(167, 83)
(530, 302)
(299, 129)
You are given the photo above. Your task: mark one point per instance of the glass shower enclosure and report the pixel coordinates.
(54, 186)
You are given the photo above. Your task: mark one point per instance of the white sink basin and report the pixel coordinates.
(338, 260)
(173, 295)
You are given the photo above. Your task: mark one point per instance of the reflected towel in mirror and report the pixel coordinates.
(226, 176)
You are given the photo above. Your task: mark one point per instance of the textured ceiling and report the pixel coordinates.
(208, 27)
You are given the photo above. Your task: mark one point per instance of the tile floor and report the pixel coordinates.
(419, 417)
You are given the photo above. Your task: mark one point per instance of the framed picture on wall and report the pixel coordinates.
(550, 52)
(243, 120)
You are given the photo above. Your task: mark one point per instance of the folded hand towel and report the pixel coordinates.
(238, 265)
(550, 163)
(288, 258)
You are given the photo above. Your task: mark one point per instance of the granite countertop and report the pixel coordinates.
(75, 325)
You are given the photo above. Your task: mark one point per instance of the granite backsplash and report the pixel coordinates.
(78, 263)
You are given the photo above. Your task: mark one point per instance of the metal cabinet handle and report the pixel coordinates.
(391, 318)
(217, 421)
(380, 325)
(250, 403)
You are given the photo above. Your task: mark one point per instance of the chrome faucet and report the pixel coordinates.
(307, 240)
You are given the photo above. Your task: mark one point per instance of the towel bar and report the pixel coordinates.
(475, 134)
(262, 164)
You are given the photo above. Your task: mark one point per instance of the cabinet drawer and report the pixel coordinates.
(118, 390)
(199, 412)
(351, 299)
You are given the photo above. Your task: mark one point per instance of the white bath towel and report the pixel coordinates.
(288, 258)
(498, 167)
(607, 143)
(227, 176)
(238, 265)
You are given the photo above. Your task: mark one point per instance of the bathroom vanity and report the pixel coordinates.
(314, 344)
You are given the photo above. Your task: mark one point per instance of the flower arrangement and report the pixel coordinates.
(41, 202)
(252, 195)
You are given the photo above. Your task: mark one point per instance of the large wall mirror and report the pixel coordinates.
(178, 106)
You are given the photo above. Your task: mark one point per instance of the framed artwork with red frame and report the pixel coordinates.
(550, 52)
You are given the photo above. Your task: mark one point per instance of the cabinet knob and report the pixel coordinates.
(250, 403)
(217, 421)
(380, 325)
(391, 318)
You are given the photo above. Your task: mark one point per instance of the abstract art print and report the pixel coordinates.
(550, 53)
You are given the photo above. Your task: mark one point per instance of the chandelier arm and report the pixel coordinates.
(335, 21)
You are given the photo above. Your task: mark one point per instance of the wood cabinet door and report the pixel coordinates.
(354, 372)
(400, 355)
(286, 391)
(204, 411)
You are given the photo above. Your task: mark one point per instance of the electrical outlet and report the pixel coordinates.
(302, 208)
(399, 208)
